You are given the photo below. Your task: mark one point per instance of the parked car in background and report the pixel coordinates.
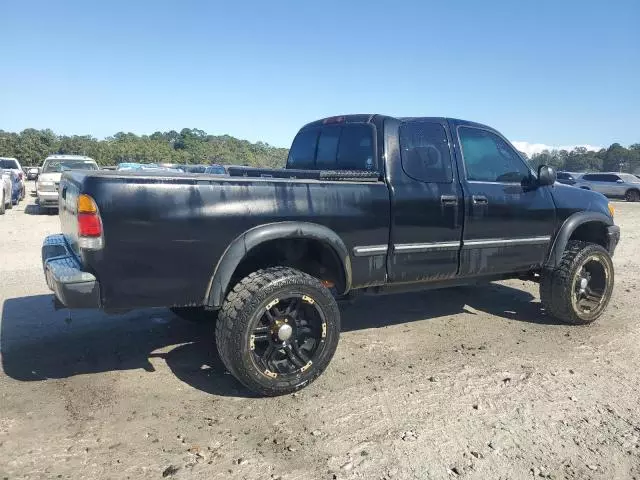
(128, 166)
(144, 167)
(568, 178)
(49, 179)
(32, 173)
(216, 170)
(9, 163)
(611, 184)
(6, 187)
(192, 168)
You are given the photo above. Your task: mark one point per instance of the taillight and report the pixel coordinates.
(20, 174)
(89, 224)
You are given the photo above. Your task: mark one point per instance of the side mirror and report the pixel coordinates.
(619, 180)
(546, 175)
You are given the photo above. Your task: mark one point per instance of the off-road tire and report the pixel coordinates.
(632, 196)
(195, 314)
(556, 285)
(246, 304)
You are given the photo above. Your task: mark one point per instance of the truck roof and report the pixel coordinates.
(370, 117)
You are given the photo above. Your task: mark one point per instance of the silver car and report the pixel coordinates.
(611, 184)
(6, 188)
(49, 177)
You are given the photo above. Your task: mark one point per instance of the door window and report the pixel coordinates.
(488, 158)
(424, 150)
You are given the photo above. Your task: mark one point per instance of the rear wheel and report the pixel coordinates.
(632, 196)
(2, 204)
(278, 330)
(579, 289)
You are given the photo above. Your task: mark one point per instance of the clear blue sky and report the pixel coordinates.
(556, 72)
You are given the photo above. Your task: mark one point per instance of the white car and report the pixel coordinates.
(51, 172)
(5, 192)
(10, 163)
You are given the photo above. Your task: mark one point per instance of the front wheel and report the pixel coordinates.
(578, 290)
(278, 330)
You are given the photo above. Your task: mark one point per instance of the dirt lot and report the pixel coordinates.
(469, 383)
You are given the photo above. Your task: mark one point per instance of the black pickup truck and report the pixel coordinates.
(367, 204)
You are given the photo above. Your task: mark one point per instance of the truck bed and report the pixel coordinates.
(165, 232)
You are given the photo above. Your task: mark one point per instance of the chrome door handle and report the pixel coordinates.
(479, 200)
(449, 200)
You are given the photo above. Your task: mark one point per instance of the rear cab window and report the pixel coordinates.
(346, 146)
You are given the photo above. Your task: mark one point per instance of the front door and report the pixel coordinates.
(508, 222)
(426, 204)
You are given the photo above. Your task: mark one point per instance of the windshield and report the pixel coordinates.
(57, 166)
(8, 163)
(627, 177)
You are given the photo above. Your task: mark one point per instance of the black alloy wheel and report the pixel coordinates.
(286, 337)
(277, 330)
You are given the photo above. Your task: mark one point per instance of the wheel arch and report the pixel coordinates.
(242, 246)
(587, 226)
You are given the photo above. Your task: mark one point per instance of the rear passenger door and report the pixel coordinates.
(601, 182)
(426, 205)
(615, 185)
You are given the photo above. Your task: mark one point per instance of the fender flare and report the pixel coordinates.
(566, 230)
(243, 244)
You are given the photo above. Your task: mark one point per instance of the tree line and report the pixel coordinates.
(616, 158)
(194, 146)
(189, 146)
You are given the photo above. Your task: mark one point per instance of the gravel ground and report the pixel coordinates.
(465, 383)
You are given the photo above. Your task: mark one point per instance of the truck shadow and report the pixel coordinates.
(39, 343)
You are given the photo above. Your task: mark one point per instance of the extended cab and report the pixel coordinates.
(367, 204)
